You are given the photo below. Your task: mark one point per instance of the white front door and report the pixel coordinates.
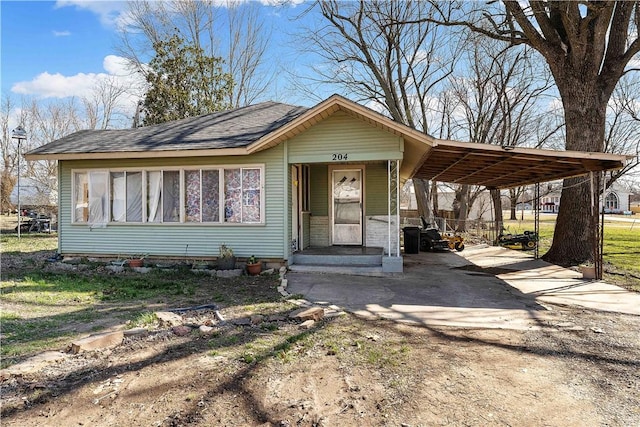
(346, 202)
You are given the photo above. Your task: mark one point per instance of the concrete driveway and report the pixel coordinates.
(482, 287)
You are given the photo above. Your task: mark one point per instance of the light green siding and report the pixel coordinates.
(190, 240)
(340, 135)
(319, 197)
(376, 191)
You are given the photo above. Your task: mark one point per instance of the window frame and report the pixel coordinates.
(182, 198)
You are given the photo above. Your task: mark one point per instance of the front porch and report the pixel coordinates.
(346, 217)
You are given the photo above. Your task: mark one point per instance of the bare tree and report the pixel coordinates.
(497, 96)
(623, 125)
(200, 24)
(395, 68)
(587, 46)
(9, 153)
(101, 106)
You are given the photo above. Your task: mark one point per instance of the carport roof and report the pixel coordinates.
(497, 167)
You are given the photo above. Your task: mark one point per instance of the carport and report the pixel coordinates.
(503, 167)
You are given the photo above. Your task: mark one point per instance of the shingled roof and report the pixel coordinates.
(227, 129)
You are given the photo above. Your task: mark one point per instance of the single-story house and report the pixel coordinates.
(271, 180)
(616, 200)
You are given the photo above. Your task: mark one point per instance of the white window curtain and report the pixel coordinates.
(118, 197)
(134, 196)
(98, 198)
(154, 196)
(81, 197)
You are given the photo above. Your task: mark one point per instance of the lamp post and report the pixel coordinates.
(21, 135)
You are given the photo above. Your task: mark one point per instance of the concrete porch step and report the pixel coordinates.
(358, 270)
(337, 260)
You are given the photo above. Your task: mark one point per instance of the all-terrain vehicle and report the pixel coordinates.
(526, 241)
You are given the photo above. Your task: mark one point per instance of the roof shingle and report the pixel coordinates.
(226, 129)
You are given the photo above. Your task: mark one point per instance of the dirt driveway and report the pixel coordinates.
(575, 367)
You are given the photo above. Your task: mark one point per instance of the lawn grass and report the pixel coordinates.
(44, 307)
(621, 251)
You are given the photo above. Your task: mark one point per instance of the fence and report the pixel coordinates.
(476, 229)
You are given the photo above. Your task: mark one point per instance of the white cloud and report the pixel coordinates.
(292, 3)
(109, 12)
(84, 85)
(61, 33)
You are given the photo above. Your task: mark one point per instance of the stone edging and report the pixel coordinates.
(329, 310)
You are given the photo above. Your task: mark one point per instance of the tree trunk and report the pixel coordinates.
(462, 196)
(576, 228)
(513, 197)
(497, 210)
(422, 189)
(434, 198)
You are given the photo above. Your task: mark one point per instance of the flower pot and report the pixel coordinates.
(227, 263)
(254, 269)
(136, 262)
(588, 271)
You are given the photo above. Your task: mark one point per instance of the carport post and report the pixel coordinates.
(536, 219)
(597, 211)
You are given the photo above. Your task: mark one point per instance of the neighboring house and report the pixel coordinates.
(616, 201)
(550, 203)
(269, 180)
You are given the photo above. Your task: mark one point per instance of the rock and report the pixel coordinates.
(283, 270)
(256, 319)
(243, 321)
(267, 272)
(167, 317)
(136, 332)
(181, 330)
(99, 341)
(115, 268)
(33, 364)
(597, 330)
(307, 324)
(141, 270)
(64, 266)
(276, 318)
(229, 273)
(311, 313)
(205, 329)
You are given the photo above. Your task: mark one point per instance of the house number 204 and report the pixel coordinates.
(339, 157)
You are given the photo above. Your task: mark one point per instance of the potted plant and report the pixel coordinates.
(588, 270)
(226, 259)
(254, 267)
(136, 260)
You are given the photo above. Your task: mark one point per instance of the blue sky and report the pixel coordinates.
(46, 37)
(52, 49)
